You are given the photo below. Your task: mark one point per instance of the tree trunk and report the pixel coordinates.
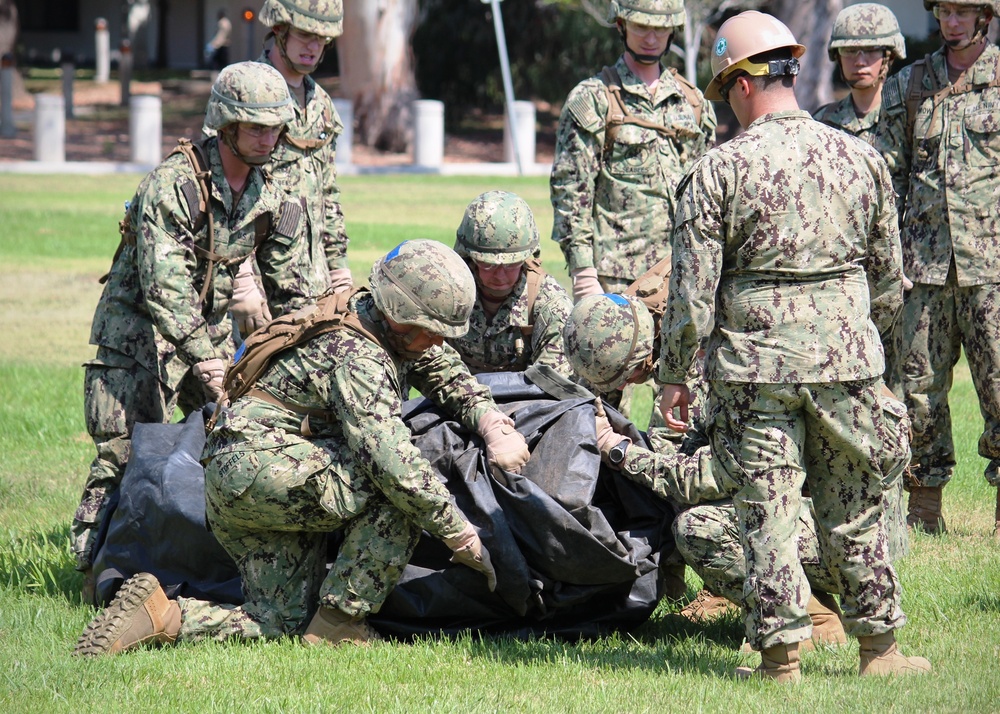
(9, 29)
(376, 70)
(811, 23)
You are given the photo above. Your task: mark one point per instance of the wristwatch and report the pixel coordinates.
(617, 453)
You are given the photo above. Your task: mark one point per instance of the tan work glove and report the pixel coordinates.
(248, 305)
(210, 373)
(607, 437)
(506, 449)
(585, 283)
(469, 550)
(340, 280)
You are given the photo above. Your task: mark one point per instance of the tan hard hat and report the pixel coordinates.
(744, 36)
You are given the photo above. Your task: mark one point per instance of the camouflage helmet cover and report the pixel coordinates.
(606, 337)
(652, 13)
(249, 92)
(498, 229)
(867, 25)
(994, 5)
(320, 17)
(424, 283)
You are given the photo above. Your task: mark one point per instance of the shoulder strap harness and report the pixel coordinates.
(652, 289)
(915, 92)
(619, 114)
(327, 314)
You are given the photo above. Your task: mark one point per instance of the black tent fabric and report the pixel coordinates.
(576, 546)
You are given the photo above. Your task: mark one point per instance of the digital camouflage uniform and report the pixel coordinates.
(614, 210)
(150, 326)
(788, 263)
(304, 165)
(947, 175)
(707, 533)
(498, 344)
(841, 115)
(274, 494)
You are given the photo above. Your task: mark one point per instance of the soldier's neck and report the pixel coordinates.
(866, 100)
(235, 171)
(648, 73)
(961, 60)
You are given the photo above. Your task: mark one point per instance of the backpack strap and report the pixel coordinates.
(915, 92)
(535, 276)
(618, 113)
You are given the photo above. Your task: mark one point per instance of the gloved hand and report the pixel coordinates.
(607, 437)
(248, 305)
(469, 550)
(585, 283)
(210, 373)
(340, 280)
(907, 283)
(506, 449)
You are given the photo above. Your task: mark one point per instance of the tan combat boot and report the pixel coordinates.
(924, 509)
(708, 606)
(827, 627)
(140, 613)
(780, 663)
(879, 656)
(332, 626)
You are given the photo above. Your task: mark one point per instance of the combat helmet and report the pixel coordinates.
(743, 36)
(867, 25)
(324, 18)
(425, 284)
(498, 228)
(606, 337)
(652, 13)
(249, 92)
(320, 17)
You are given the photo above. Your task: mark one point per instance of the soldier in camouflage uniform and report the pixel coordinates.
(625, 139)
(864, 43)
(520, 310)
(318, 445)
(940, 134)
(161, 330)
(604, 334)
(785, 269)
(303, 163)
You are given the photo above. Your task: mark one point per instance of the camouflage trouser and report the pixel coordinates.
(272, 510)
(769, 440)
(117, 394)
(708, 535)
(938, 321)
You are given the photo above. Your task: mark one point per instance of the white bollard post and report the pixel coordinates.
(68, 69)
(102, 51)
(428, 133)
(345, 108)
(50, 128)
(7, 127)
(145, 126)
(524, 115)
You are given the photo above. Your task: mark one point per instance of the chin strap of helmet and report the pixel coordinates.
(280, 34)
(642, 59)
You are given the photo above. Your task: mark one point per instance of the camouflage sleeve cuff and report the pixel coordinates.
(197, 347)
(577, 258)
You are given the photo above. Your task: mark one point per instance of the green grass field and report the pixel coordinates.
(59, 233)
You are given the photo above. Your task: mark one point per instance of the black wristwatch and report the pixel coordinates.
(617, 454)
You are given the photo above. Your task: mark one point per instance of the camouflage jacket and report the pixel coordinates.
(786, 258)
(356, 384)
(841, 115)
(150, 308)
(614, 211)
(498, 344)
(948, 175)
(310, 175)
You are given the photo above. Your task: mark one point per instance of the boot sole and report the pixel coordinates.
(105, 630)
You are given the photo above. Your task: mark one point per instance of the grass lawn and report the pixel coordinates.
(59, 233)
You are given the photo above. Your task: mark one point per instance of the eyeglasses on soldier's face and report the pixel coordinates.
(866, 54)
(308, 38)
(643, 30)
(962, 12)
(259, 131)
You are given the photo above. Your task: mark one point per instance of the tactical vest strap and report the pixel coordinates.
(916, 94)
(618, 113)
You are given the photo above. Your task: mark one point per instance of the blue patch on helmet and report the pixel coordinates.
(617, 300)
(720, 47)
(394, 252)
